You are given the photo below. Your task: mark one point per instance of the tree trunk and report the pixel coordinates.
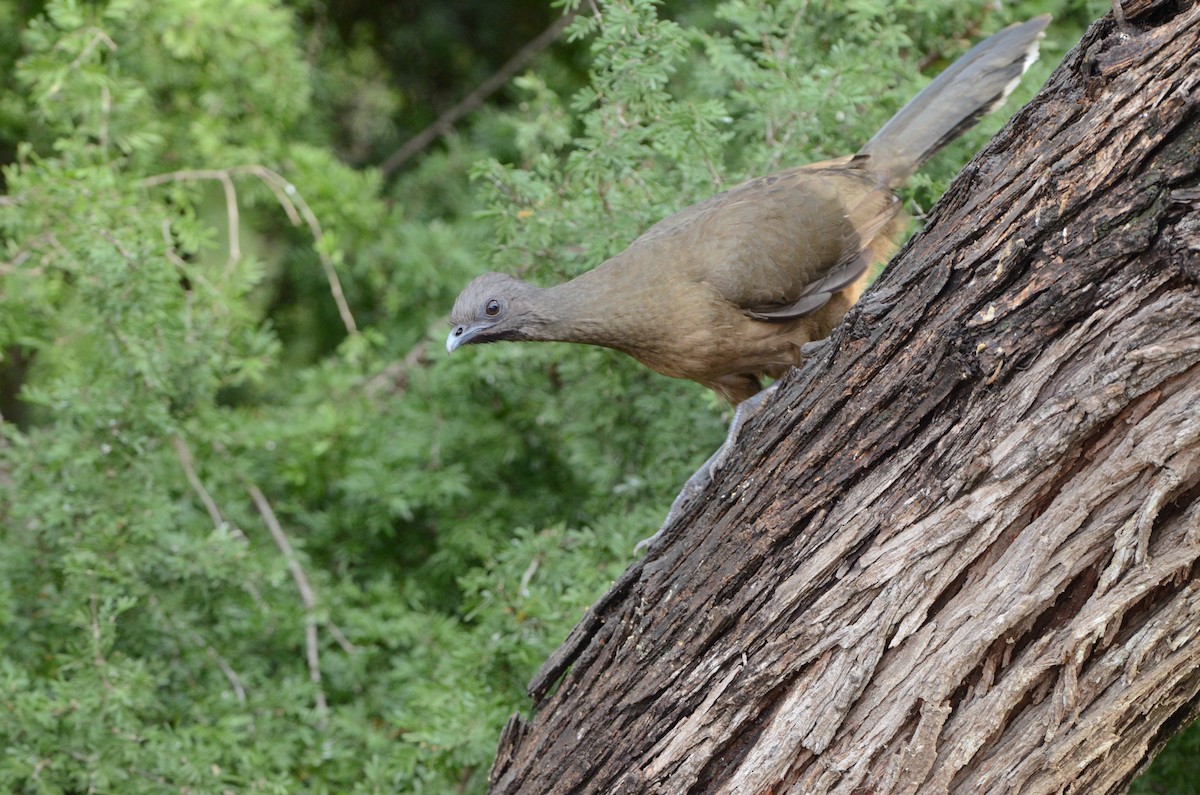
(958, 550)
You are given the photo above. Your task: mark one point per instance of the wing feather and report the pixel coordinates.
(853, 263)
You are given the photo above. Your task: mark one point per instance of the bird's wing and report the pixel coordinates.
(816, 294)
(867, 219)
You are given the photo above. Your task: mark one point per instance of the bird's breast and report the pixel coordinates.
(702, 337)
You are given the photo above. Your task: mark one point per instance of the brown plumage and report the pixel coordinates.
(728, 290)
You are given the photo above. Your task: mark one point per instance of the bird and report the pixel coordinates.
(730, 290)
(736, 288)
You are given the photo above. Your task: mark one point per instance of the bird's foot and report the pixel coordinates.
(702, 477)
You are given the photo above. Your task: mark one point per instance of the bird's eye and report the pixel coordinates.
(493, 308)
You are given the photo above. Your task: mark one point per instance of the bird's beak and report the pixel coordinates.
(457, 337)
(462, 335)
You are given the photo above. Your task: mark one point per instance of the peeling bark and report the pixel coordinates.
(958, 551)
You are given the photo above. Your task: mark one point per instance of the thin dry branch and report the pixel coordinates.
(235, 681)
(471, 102)
(98, 37)
(341, 639)
(26, 251)
(231, 675)
(98, 643)
(393, 379)
(232, 218)
(184, 454)
(289, 199)
(306, 597)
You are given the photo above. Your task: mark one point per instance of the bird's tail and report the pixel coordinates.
(972, 86)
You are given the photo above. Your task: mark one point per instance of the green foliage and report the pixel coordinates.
(1174, 770)
(207, 479)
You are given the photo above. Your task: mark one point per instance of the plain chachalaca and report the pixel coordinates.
(729, 290)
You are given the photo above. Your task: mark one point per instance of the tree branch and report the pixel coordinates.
(184, 454)
(289, 199)
(471, 102)
(958, 551)
(307, 598)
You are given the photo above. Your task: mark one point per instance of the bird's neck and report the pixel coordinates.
(589, 309)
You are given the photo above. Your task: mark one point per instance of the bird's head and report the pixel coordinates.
(493, 307)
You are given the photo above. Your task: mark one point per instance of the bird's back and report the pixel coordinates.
(762, 242)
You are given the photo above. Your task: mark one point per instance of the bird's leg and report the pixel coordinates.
(715, 463)
(1119, 15)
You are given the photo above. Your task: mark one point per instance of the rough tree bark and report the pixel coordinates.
(960, 549)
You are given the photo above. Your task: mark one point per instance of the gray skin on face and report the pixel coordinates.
(492, 308)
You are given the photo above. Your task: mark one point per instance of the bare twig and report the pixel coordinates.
(289, 199)
(472, 101)
(185, 175)
(281, 540)
(306, 597)
(1119, 14)
(172, 254)
(31, 246)
(189, 470)
(285, 191)
(124, 252)
(97, 643)
(98, 37)
(232, 218)
(527, 577)
(235, 681)
(210, 505)
(16, 262)
(393, 379)
(341, 639)
(184, 454)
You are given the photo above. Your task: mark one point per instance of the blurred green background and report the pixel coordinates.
(255, 541)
